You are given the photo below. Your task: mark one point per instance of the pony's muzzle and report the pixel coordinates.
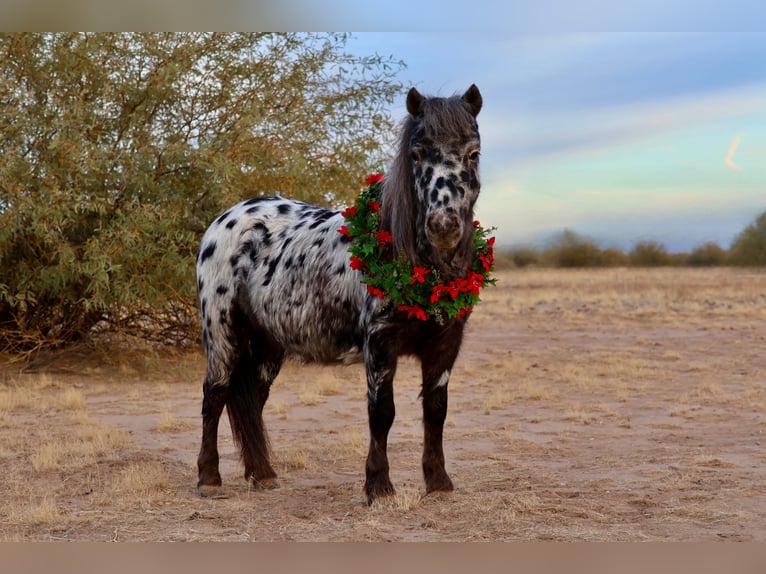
(444, 229)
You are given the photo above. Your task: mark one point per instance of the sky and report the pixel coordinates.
(623, 121)
(619, 136)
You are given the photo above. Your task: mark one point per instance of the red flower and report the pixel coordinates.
(384, 237)
(415, 310)
(441, 289)
(373, 178)
(374, 205)
(357, 263)
(487, 261)
(344, 231)
(476, 223)
(375, 291)
(463, 311)
(348, 211)
(472, 283)
(419, 275)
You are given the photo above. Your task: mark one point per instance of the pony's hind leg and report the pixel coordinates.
(249, 391)
(214, 399)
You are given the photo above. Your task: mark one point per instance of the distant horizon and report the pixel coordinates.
(670, 240)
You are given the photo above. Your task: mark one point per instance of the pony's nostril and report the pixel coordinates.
(434, 226)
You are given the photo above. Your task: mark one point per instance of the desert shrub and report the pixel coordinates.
(649, 254)
(707, 255)
(570, 249)
(117, 150)
(749, 247)
(679, 259)
(613, 257)
(524, 256)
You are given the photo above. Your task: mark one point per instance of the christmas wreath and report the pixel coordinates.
(417, 291)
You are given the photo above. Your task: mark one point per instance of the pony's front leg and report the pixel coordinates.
(434, 415)
(436, 366)
(380, 363)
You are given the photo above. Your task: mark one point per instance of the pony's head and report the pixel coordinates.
(434, 181)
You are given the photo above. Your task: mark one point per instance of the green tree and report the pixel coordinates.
(749, 247)
(117, 150)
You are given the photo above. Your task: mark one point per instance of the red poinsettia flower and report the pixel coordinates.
(373, 178)
(413, 310)
(374, 205)
(463, 311)
(487, 261)
(383, 237)
(348, 211)
(476, 223)
(375, 292)
(357, 263)
(344, 231)
(419, 275)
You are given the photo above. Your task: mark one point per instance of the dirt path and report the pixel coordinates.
(609, 405)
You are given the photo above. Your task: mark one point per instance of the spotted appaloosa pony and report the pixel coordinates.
(274, 281)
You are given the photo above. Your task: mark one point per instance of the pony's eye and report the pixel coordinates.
(474, 156)
(416, 153)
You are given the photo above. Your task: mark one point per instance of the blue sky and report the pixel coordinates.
(619, 136)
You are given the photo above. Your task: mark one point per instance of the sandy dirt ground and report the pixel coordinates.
(619, 405)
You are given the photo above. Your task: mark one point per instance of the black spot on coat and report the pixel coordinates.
(207, 252)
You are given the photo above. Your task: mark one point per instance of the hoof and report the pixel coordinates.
(210, 491)
(442, 484)
(264, 484)
(378, 490)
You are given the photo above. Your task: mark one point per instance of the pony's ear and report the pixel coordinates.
(414, 101)
(472, 97)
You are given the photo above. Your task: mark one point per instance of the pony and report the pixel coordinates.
(274, 281)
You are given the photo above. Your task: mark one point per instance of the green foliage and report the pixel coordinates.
(749, 248)
(117, 150)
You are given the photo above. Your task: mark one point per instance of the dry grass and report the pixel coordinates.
(84, 445)
(170, 423)
(144, 482)
(309, 395)
(36, 514)
(73, 400)
(578, 411)
(406, 499)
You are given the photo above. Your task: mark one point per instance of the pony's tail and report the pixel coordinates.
(247, 396)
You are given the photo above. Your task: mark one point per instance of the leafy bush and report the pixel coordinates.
(649, 254)
(117, 150)
(749, 247)
(572, 250)
(522, 256)
(613, 257)
(707, 255)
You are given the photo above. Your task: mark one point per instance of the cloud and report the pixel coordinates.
(565, 133)
(729, 159)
